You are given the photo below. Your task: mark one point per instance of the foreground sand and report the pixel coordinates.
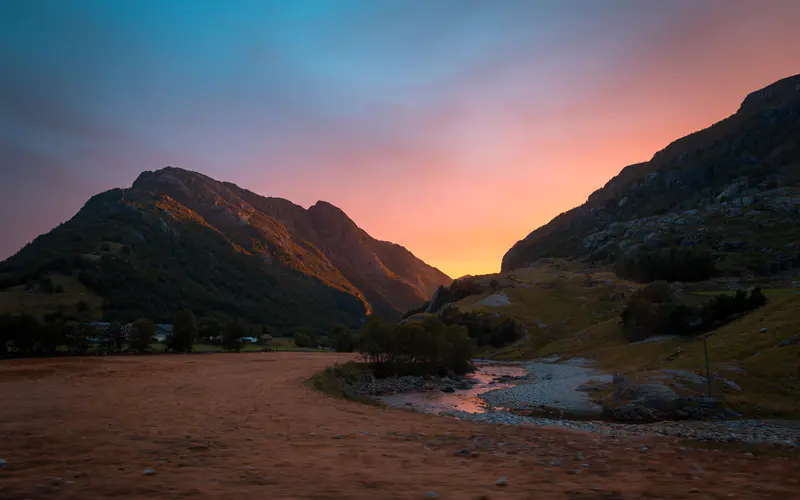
(245, 426)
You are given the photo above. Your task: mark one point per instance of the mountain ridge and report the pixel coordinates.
(742, 172)
(319, 249)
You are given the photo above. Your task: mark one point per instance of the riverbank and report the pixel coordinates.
(555, 395)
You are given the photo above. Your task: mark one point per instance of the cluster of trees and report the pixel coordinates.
(669, 264)
(656, 310)
(486, 329)
(340, 338)
(25, 335)
(415, 348)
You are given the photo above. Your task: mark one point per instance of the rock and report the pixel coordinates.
(632, 412)
(462, 453)
(503, 481)
(790, 341)
(447, 389)
(431, 494)
(3, 463)
(464, 385)
(149, 472)
(763, 330)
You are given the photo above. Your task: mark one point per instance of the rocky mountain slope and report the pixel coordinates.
(732, 190)
(178, 239)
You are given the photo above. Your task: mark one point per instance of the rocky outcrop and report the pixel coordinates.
(651, 401)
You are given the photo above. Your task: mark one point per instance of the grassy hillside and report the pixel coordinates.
(565, 316)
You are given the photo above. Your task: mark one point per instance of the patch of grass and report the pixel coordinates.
(18, 300)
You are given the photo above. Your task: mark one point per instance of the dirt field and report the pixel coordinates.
(245, 426)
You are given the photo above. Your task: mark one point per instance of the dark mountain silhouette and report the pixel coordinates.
(179, 239)
(729, 193)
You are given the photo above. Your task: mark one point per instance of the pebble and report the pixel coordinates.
(149, 472)
(503, 481)
(431, 494)
(3, 463)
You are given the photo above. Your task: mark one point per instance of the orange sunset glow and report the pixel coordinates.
(455, 148)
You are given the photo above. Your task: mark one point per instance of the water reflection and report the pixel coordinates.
(462, 400)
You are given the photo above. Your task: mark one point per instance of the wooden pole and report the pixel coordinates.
(708, 369)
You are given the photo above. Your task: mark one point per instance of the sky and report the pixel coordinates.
(454, 128)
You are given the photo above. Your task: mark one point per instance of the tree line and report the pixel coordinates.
(656, 310)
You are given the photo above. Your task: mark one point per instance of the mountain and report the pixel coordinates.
(179, 239)
(730, 191)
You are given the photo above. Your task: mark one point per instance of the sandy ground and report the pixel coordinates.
(245, 426)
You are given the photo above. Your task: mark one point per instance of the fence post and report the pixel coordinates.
(708, 369)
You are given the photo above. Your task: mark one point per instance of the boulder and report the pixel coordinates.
(632, 412)
(463, 385)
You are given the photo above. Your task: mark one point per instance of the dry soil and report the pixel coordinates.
(247, 426)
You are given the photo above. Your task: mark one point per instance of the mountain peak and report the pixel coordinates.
(780, 92)
(706, 192)
(191, 239)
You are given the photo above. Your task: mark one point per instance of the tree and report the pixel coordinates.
(756, 299)
(116, 336)
(77, 337)
(342, 338)
(6, 331)
(184, 332)
(344, 341)
(232, 336)
(143, 332)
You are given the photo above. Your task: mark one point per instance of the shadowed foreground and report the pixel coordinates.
(245, 426)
